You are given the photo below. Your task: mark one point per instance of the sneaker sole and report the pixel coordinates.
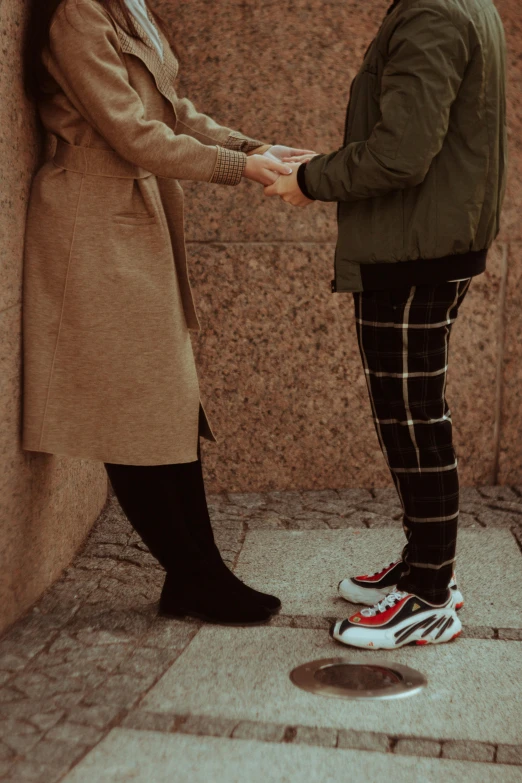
(457, 598)
(366, 638)
(369, 596)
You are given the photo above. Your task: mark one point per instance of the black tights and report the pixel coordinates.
(167, 507)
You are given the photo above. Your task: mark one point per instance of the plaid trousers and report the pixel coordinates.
(403, 337)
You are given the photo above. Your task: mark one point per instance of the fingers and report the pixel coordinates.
(269, 178)
(293, 152)
(293, 200)
(299, 158)
(265, 170)
(276, 165)
(271, 190)
(272, 171)
(268, 162)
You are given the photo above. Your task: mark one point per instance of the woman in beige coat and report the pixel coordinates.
(109, 372)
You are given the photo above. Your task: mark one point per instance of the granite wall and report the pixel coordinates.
(278, 361)
(47, 503)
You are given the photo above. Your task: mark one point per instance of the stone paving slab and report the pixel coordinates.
(349, 739)
(243, 674)
(145, 756)
(79, 663)
(304, 568)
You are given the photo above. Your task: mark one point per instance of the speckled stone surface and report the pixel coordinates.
(488, 564)
(287, 380)
(246, 676)
(142, 757)
(281, 376)
(83, 660)
(511, 224)
(510, 460)
(277, 357)
(17, 154)
(47, 504)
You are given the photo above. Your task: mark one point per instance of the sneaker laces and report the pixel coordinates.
(386, 603)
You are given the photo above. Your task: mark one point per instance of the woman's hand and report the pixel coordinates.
(286, 154)
(296, 159)
(264, 169)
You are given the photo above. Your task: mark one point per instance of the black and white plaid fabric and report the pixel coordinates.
(403, 337)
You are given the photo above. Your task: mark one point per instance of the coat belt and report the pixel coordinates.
(95, 161)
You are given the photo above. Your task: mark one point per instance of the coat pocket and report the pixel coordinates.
(134, 218)
(120, 258)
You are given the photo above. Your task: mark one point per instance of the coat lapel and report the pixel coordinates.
(164, 71)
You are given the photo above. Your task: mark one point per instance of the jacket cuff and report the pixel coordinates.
(242, 143)
(229, 167)
(302, 182)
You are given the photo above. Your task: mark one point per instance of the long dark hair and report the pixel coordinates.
(37, 38)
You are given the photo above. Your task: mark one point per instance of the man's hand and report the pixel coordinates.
(265, 170)
(289, 190)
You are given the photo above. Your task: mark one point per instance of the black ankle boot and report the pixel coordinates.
(201, 530)
(272, 603)
(205, 595)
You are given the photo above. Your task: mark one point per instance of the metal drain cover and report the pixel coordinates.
(358, 679)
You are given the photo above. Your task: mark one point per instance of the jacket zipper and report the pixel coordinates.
(345, 133)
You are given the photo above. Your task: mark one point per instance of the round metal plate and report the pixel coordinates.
(358, 679)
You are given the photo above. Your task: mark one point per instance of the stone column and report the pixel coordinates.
(510, 354)
(47, 503)
(278, 360)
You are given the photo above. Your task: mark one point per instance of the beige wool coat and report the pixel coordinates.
(109, 372)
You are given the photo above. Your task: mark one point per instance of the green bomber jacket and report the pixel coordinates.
(421, 176)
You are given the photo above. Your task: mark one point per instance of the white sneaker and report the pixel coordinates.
(368, 590)
(400, 618)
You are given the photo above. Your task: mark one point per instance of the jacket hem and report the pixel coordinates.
(422, 271)
(115, 460)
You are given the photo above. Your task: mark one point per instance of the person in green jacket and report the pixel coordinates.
(420, 182)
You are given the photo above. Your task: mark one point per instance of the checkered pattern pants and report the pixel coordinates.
(403, 337)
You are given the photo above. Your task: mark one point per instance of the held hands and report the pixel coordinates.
(266, 170)
(286, 186)
(276, 169)
(288, 154)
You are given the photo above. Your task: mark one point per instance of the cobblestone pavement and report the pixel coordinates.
(81, 661)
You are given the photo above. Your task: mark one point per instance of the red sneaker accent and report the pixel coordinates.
(459, 606)
(421, 641)
(455, 636)
(376, 577)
